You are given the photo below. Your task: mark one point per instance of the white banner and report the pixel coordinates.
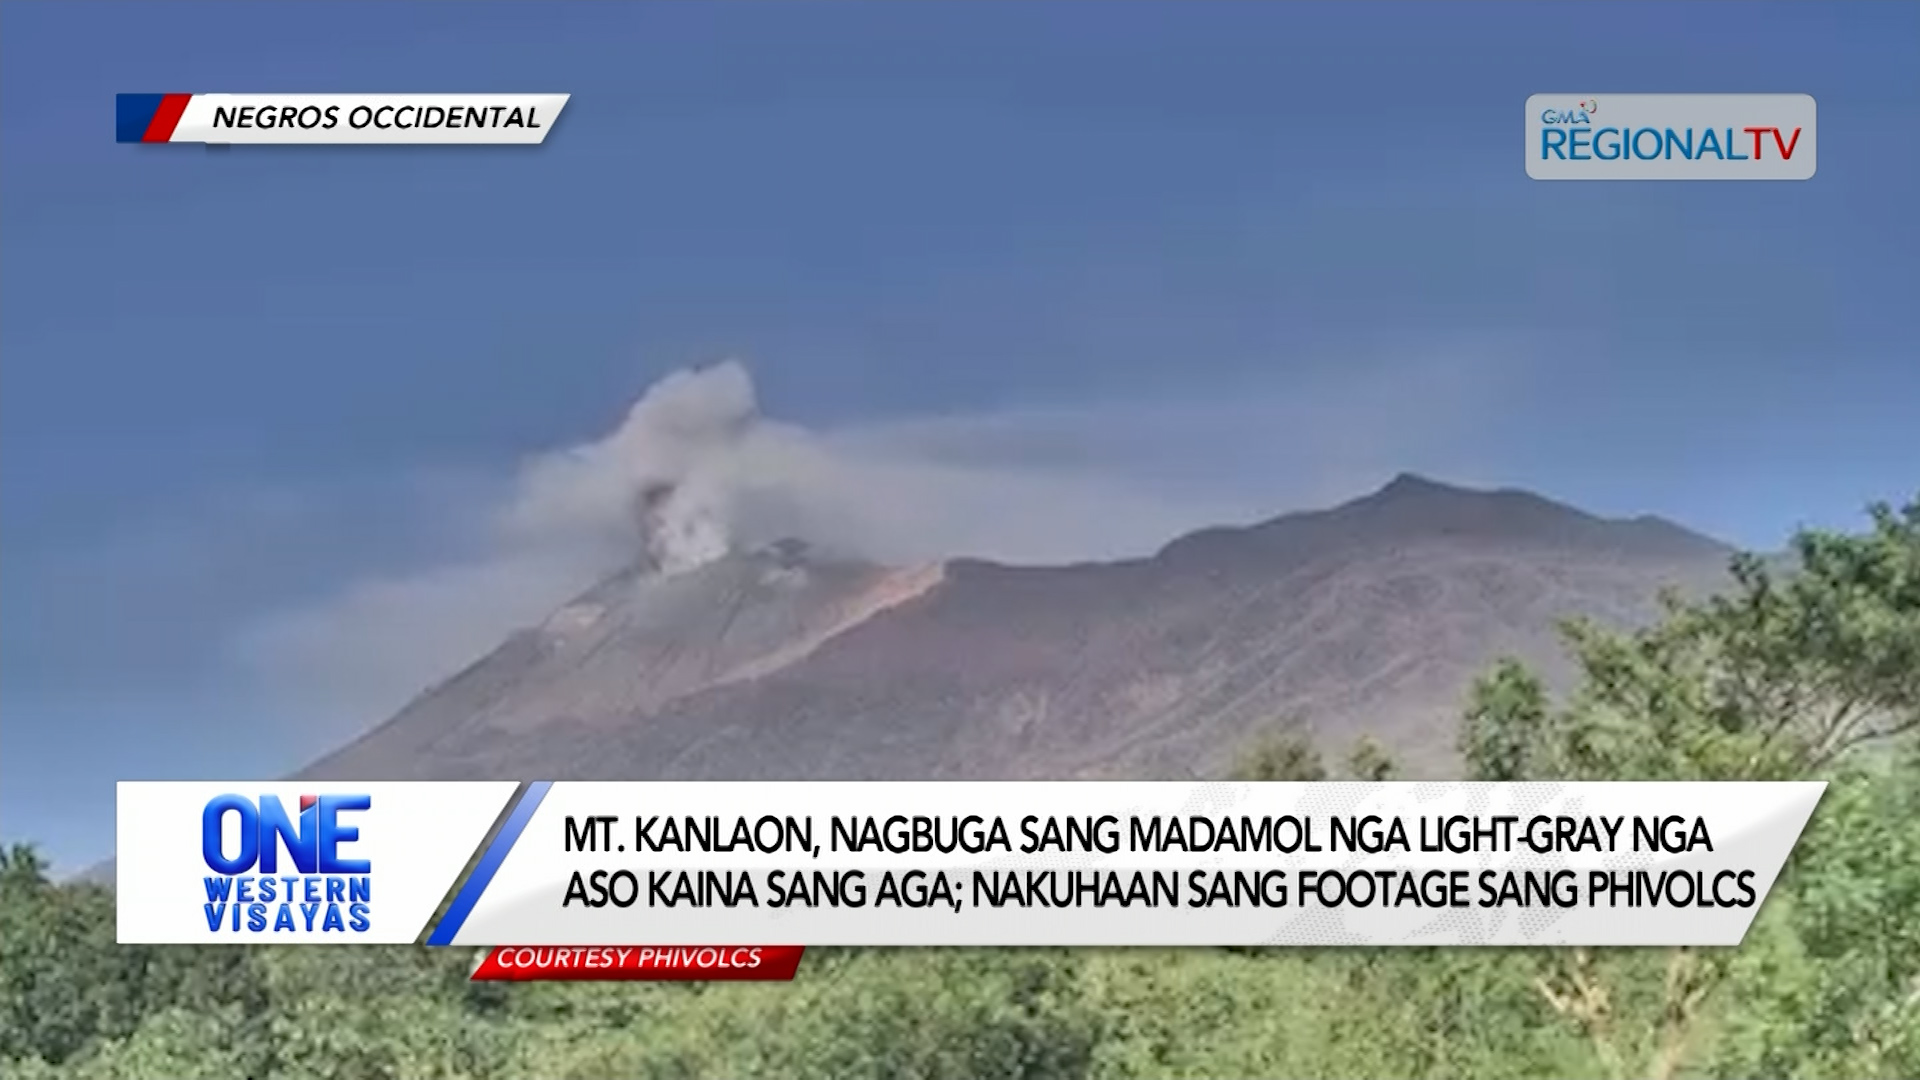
(279, 862)
(361, 118)
(1099, 863)
(1671, 137)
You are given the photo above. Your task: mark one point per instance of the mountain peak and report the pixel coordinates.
(1407, 485)
(779, 661)
(1430, 495)
(1414, 509)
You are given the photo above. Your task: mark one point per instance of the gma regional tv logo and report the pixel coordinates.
(1671, 137)
(276, 871)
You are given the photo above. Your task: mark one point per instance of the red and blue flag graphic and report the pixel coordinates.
(148, 117)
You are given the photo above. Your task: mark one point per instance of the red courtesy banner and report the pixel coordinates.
(526, 963)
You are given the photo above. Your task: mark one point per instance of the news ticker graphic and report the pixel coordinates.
(337, 119)
(1671, 137)
(662, 865)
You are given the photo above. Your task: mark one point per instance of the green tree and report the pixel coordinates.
(1505, 723)
(63, 982)
(1828, 980)
(852, 1013)
(1778, 678)
(1282, 755)
(180, 1044)
(1370, 760)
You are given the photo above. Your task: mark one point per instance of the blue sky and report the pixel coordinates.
(1205, 259)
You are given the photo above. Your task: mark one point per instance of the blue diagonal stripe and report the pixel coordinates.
(132, 113)
(482, 875)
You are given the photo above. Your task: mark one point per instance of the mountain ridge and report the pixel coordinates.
(1370, 617)
(1367, 617)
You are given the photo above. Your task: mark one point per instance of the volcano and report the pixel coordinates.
(1369, 618)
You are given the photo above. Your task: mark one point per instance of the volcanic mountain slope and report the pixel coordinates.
(629, 647)
(1370, 618)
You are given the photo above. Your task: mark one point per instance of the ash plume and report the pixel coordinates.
(660, 486)
(695, 470)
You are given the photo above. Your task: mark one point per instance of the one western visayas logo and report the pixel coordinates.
(316, 887)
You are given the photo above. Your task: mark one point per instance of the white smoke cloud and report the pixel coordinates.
(696, 470)
(660, 485)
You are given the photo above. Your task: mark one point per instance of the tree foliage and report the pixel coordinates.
(1281, 755)
(1369, 760)
(1778, 677)
(1782, 676)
